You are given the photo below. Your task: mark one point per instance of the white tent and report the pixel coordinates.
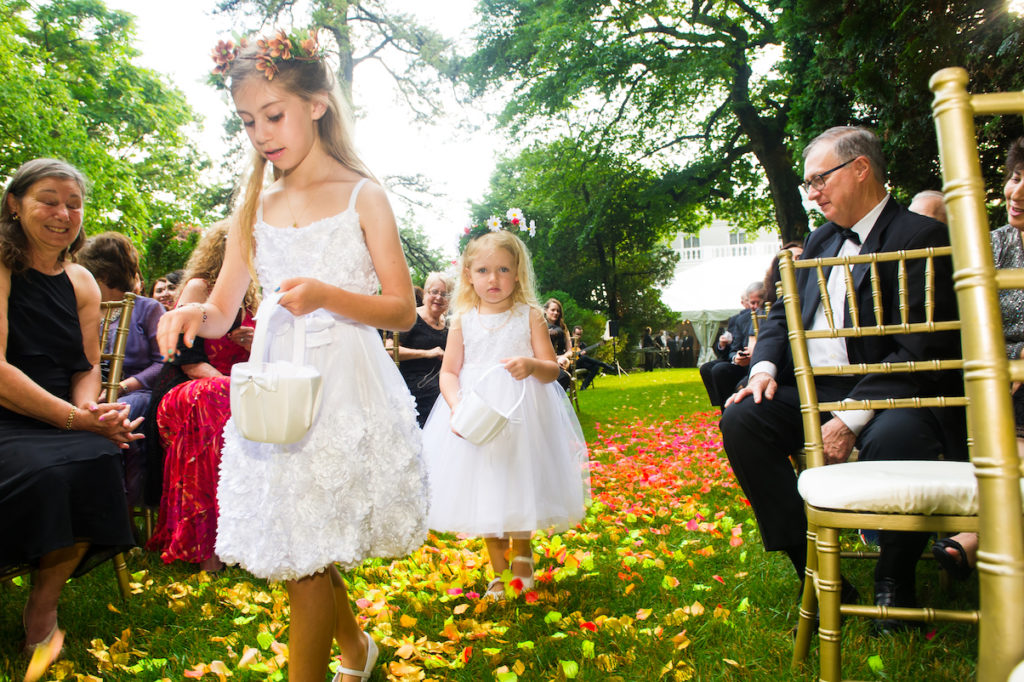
(709, 292)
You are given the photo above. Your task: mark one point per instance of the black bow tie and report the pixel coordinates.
(847, 233)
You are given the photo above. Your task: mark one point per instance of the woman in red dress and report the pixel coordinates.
(190, 420)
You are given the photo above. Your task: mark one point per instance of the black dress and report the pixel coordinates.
(56, 487)
(421, 374)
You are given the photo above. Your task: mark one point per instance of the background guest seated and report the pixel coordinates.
(165, 289)
(62, 507)
(721, 376)
(114, 262)
(421, 349)
(190, 416)
(559, 333)
(586, 362)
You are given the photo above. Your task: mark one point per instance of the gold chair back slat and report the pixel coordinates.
(987, 371)
(1010, 279)
(1017, 370)
(860, 368)
(883, 330)
(893, 403)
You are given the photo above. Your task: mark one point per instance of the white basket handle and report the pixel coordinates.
(259, 336)
(522, 392)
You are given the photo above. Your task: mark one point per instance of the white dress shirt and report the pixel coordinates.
(824, 352)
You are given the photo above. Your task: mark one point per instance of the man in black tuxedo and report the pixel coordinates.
(721, 375)
(844, 173)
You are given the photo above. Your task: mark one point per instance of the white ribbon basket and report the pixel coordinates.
(476, 420)
(275, 402)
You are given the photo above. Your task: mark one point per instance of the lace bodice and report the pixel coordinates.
(331, 250)
(490, 338)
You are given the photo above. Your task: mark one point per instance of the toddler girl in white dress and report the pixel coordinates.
(534, 473)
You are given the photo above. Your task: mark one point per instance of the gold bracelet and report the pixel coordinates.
(71, 419)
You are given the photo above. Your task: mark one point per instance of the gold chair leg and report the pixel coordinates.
(830, 587)
(121, 569)
(808, 603)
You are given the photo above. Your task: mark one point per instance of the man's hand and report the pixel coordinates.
(742, 358)
(761, 385)
(838, 441)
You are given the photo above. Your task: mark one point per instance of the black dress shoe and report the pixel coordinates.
(888, 593)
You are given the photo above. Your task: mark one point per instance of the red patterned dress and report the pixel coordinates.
(191, 419)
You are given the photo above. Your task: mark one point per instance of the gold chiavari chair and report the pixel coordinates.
(988, 372)
(758, 316)
(116, 320)
(898, 496)
(121, 312)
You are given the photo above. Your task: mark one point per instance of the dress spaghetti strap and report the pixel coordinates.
(355, 193)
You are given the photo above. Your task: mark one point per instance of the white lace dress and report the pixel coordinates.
(534, 474)
(354, 486)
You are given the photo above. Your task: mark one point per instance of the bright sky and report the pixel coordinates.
(175, 38)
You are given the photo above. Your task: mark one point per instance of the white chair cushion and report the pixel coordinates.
(904, 486)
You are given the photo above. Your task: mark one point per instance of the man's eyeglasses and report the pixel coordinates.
(817, 182)
(439, 292)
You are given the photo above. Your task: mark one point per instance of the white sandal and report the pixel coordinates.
(527, 580)
(495, 590)
(371, 660)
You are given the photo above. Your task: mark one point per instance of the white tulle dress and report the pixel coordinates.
(354, 486)
(534, 474)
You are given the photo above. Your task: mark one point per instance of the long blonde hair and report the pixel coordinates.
(466, 297)
(304, 79)
(208, 257)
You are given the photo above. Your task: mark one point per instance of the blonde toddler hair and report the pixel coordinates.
(466, 297)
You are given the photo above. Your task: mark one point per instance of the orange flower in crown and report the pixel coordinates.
(299, 45)
(223, 54)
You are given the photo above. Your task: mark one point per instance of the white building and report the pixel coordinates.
(714, 269)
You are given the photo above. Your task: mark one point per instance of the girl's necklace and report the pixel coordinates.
(288, 201)
(480, 320)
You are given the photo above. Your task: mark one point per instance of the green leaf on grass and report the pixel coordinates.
(265, 639)
(588, 648)
(552, 617)
(507, 677)
(525, 645)
(875, 663)
(570, 668)
(744, 605)
(242, 620)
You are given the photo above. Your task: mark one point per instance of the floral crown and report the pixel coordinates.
(514, 221)
(299, 45)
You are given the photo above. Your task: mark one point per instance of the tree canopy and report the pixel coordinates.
(870, 66)
(687, 85)
(71, 90)
(602, 235)
(717, 96)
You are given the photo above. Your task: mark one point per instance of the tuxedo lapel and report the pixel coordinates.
(875, 240)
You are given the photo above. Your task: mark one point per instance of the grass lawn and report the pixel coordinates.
(666, 580)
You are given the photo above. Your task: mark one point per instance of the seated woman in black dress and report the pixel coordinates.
(559, 333)
(62, 507)
(421, 349)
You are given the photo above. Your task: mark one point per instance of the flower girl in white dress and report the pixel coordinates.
(324, 237)
(534, 474)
